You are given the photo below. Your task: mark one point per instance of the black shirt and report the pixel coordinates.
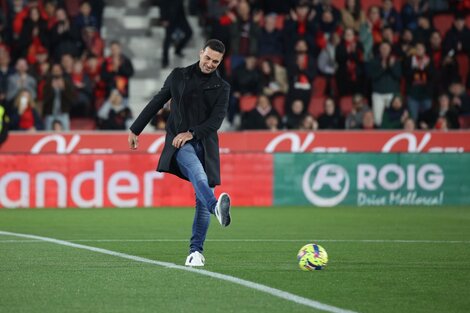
(193, 97)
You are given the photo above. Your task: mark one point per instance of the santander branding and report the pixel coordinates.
(87, 189)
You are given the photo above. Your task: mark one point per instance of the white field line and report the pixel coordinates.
(255, 240)
(246, 283)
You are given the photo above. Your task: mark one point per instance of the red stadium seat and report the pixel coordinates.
(462, 60)
(346, 105)
(82, 123)
(464, 121)
(319, 86)
(279, 104)
(443, 22)
(315, 107)
(247, 103)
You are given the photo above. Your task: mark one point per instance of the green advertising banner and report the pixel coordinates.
(365, 179)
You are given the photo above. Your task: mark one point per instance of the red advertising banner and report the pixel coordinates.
(234, 142)
(122, 180)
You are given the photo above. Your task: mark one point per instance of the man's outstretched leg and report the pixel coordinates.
(190, 158)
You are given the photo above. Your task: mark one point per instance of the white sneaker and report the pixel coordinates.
(195, 259)
(222, 210)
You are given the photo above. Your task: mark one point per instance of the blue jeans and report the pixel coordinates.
(190, 159)
(415, 107)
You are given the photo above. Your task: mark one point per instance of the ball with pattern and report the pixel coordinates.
(312, 257)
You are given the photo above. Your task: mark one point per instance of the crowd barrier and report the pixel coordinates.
(258, 169)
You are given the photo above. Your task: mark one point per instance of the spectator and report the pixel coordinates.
(273, 78)
(443, 115)
(349, 57)
(294, 118)
(174, 20)
(115, 113)
(368, 121)
(299, 25)
(301, 72)
(331, 118)
(64, 38)
(389, 36)
(395, 115)
(385, 73)
(5, 71)
(21, 80)
(97, 10)
(58, 98)
(246, 81)
(409, 125)
(390, 16)
(352, 15)
(5, 34)
(92, 41)
(327, 6)
(354, 119)
(49, 13)
(457, 39)
(272, 122)
(308, 123)
(370, 32)
(85, 18)
(67, 61)
(445, 65)
(411, 12)
(24, 115)
(424, 30)
(34, 34)
(83, 91)
(160, 120)
(116, 71)
(57, 126)
(256, 118)
(270, 39)
(418, 73)
(327, 65)
(459, 98)
(244, 31)
(327, 26)
(406, 44)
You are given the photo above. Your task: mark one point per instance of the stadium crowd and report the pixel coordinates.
(292, 64)
(53, 68)
(345, 64)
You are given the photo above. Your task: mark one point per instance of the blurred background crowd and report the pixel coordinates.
(292, 64)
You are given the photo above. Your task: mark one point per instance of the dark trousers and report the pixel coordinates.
(183, 26)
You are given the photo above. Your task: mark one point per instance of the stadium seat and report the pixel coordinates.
(346, 105)
(464, 121)
(247, 103)
(82, 123)
(279, 104)
(462, 60)
(319, 86)
(443, 22)
(315, 107)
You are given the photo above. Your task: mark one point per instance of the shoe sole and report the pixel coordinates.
(225, 209)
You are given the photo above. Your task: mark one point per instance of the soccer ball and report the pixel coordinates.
(312, 257)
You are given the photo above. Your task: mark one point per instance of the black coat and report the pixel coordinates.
(213, 109)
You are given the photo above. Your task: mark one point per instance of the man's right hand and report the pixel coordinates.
(133, 141)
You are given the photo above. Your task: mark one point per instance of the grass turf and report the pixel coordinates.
(386, 275)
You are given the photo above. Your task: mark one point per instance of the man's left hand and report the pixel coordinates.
(181, 139)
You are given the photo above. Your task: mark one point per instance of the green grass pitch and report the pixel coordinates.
(395, 259)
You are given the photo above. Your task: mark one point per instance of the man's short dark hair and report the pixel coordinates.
(215, 45)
